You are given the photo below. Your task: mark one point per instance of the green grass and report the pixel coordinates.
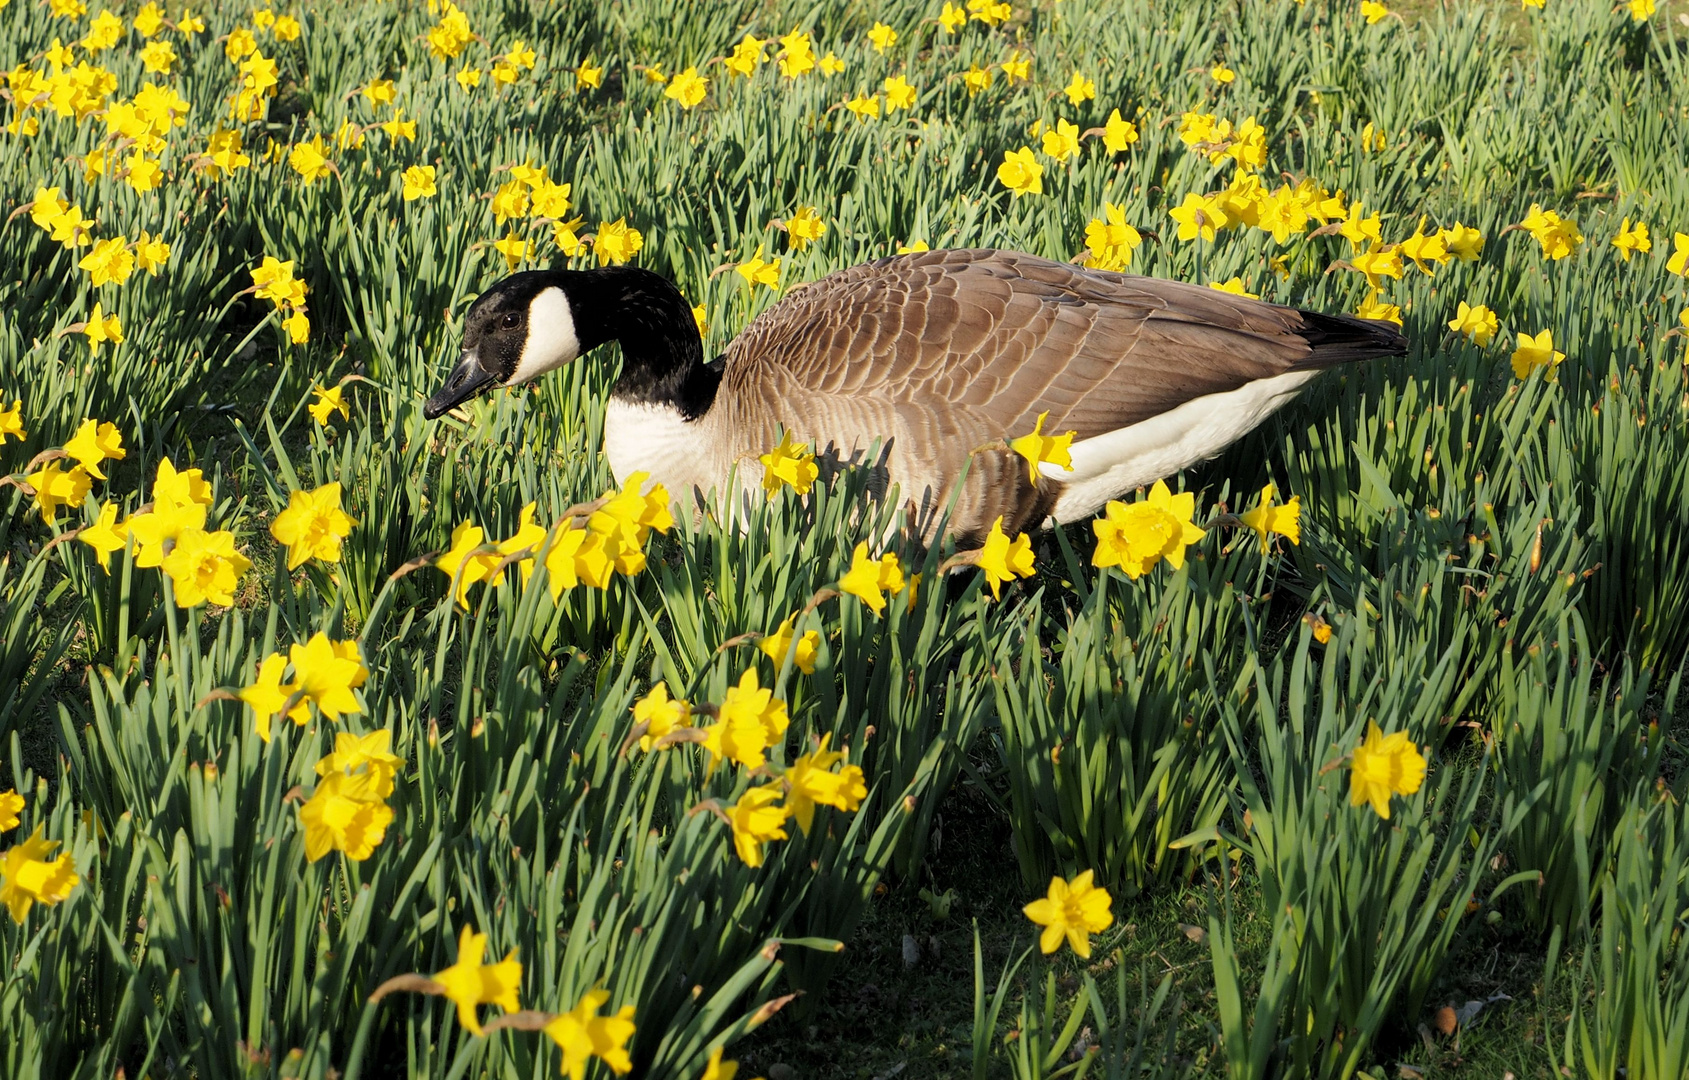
(1501, 561)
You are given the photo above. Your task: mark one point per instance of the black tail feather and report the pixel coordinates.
(1342, 339)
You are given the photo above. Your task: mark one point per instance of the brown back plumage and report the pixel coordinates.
(942, 351)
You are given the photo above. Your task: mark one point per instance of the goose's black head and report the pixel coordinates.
(533, 322)
(515, 331)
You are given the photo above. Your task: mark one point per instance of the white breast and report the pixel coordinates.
(1111, 464)
(656, 439)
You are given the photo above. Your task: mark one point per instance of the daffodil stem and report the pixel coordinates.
(460, 1064)
(366, 1022)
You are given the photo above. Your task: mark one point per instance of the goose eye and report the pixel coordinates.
(511, 320)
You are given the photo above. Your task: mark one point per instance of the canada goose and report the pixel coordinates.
(935, 354)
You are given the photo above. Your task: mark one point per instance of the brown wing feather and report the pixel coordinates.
(1009, 336)
(944, 351)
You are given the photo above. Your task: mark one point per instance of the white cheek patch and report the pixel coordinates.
(551, 340)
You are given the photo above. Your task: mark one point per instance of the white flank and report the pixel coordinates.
(654, 439)
(551, 340)
(1107, 466)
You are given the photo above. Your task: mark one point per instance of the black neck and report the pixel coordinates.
(662, 354)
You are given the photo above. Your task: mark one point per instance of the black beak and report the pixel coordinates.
(466, 380)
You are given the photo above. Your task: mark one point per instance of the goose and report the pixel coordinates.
(930, 357)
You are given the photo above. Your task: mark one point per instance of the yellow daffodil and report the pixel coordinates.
(1374, 307)
(149, 20)
(779, 643)
(1361, 229)
(1118, 134)
(952, 18)
(550, 200)
(870, 579)
(882, 37)
(738, 737)
(1234, 286)
(1558, 237)
(273, 280)
(312, 526)
(309, 161)
(1631, 240)
(1379, 262)
(448, 37)
(746, 55)
(418, 182)
(1532, 353)
(990, 12)
(1111, 240)
(589, 76)
(1198, 217)
(755, 271)
(831, 65)
(810, 782)
(899, 94)
(1079, 89)
(513, 248)
(29, 876)
(1062, 141)
(789, 464)
(106, 535)
(715, 1068)
(576, 557)
(1285, 519)
(1072, 911)
(204, 566)
(616, 242)
(976, 79)
(397, 127)
(267, 696)
(865, 108)
(1678, 263)
(11, 422)
(298, 327)
(94, 443)
(461, 564)
(108, 260)
(468, 982)
(328, 671)
(1640, 10)
(11, 805)
(1037, 447)
(582, 1034)
(101, 328)
(1476, 322)
(1384, 765)
(1372, 11)
(660, 714)
(687, 88)
(1222, 74)
(750, 702)
(1002, 559)
(1421, 249)
(804, 227)
(756, 821)
(1017, 67)
(1137, 536)
(1021, 173)
(329, 401)
(56, 487)
(344, 814)
(364, 754)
